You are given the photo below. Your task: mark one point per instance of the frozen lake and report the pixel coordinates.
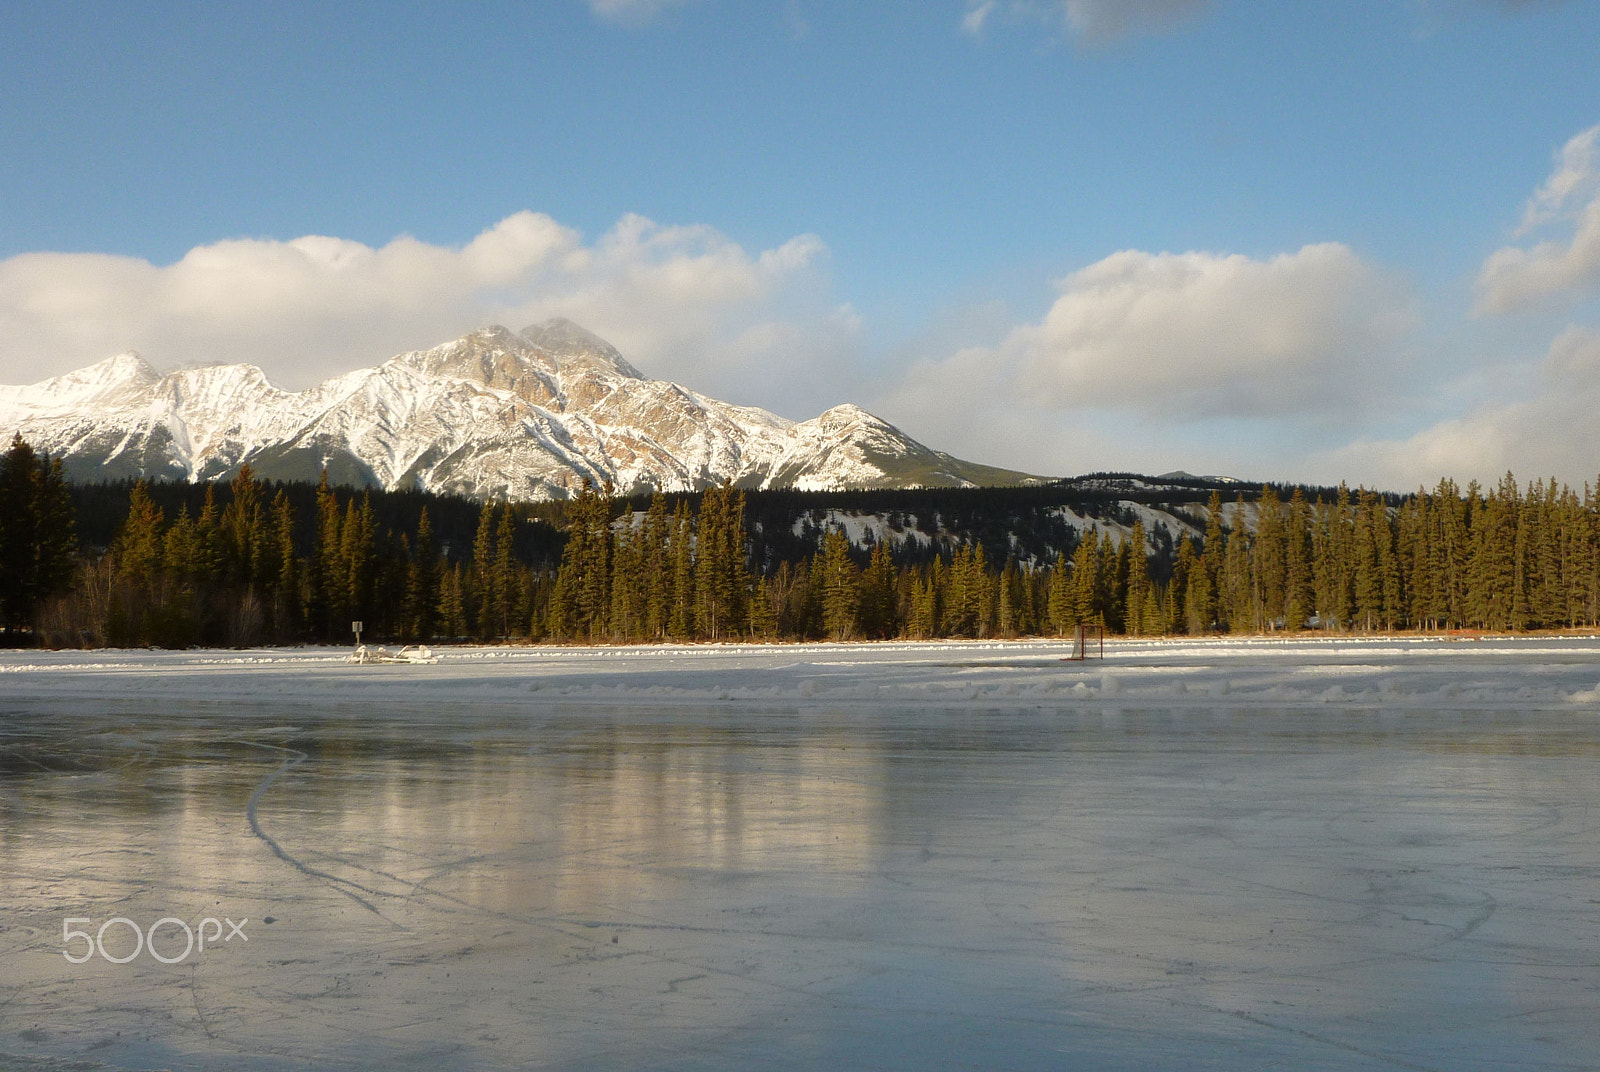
(1232, 855)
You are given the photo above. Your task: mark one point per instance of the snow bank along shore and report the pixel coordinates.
(1377, 673)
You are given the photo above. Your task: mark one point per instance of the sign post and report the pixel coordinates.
(355, 627)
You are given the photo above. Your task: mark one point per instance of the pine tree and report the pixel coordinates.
(324, 593)
(681, 617)
(1270, 578)
(1206, 590)
(1176, 613)
(1299, 602)
(1138, 586)
(841, 598)
(1054, 598)
(242, 530)
(763, 614)
(722, 580)
(1368, 574)
(1336, 603)
(923, 620)
(656, 563)
(452, 602)
(1456, 515)
(1542, 525)
(1085, 583)
(504, 583)
(484, 596)
(1110, 580)
(1239, 608)
(138, 546)
(1494, 574)
(206, 553)
(423, 587)
(580, 605)
(1200, 600)
(138, 555)
(359, 550)
(878, 594)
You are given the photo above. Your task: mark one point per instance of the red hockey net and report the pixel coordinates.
(1088, 642)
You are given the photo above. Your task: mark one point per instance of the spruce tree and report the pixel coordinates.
(241, 529)
(1138, 584)
(841, 586)
(423, 581)
(1239, 606)
(288, 594)
(1271, 554)
(1299, 603)
(878, 617)
(1494, 575)
(325, 592)
(763, 614)
(452, 602)
(656, 563)
(38, 544)
(681, 619)
(138, 546)
(1368, 574)
(504, 583)
(358, 548)
(484, 596)
(1085, 580)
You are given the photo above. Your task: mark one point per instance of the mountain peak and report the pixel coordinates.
(116, 376)
(577, 347)
(119, 369)
(847, 411)
(844, 416)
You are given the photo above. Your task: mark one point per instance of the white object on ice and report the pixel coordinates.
(415, 655)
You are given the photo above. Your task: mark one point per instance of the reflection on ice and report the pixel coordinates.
(1216, 881)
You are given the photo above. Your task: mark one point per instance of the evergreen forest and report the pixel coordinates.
(252, 562)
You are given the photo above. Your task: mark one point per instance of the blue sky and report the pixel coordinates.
(1287, 241)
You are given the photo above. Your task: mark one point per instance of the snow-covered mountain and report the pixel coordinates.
(497, 414)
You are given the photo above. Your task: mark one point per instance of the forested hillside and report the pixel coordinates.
(255, 562)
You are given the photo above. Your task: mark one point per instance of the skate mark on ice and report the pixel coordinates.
(295, 758)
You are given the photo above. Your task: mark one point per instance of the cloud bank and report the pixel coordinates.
(1172, 360)
(1521, 277)
(1552, 432)
(1188, 335)
(683, 302)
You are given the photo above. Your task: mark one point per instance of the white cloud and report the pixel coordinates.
(631, 12)
(1200, 335)
(1158, 361)
(681, 302)
(978, 12)
(1520, 277)
(1577, 172)
(1550, 432)
(1102, 20)
(1091, 21)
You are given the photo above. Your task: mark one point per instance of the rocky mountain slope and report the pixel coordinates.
(497, 414)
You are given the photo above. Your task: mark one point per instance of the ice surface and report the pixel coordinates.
(1234, 855)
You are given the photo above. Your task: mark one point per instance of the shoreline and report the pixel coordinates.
(1378, 673)
(1307, 636)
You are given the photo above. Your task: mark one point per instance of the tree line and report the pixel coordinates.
(249, 566)
(38, 544)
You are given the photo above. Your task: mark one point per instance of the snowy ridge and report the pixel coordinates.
(1163, 526)
(494, 415)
